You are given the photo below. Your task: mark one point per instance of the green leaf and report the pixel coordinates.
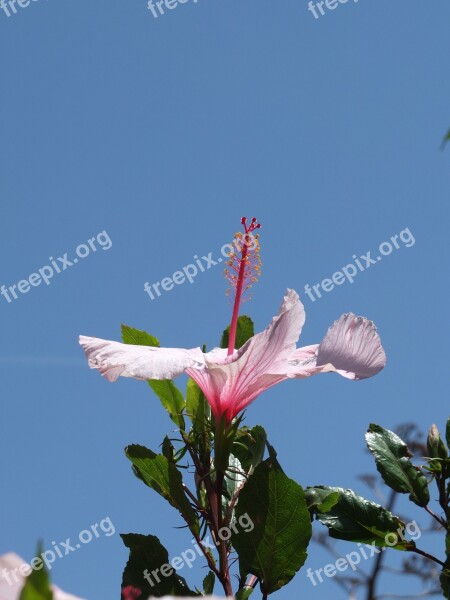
(162, 476)
(445, 573)
(355, 519)
(249, 447)
(319, 500)
(208, 583)
(445, 140)
(136, 337)
(199, 412)
(197, 406)
(444, 579)
(37, 585)
(171, 398)
(276, 547)
(447, 433)
(149, 557)
(392, 460)
(245, 330)
(168, 449)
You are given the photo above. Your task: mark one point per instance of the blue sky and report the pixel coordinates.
(163, 133)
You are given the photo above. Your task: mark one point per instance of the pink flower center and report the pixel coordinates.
(244, 268)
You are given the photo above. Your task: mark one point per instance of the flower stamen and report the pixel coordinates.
(243, 270)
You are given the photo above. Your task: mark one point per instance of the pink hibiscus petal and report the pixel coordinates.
(352, 348)
(114, 359)
(352, 345)
(232, 382)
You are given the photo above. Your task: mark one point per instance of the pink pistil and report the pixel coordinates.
(240, 281)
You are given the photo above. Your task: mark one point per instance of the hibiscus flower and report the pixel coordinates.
(230, 382)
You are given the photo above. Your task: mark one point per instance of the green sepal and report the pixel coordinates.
(245, 593)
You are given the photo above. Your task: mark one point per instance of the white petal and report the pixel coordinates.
(353, 346)
(12, 582)
(114, 359)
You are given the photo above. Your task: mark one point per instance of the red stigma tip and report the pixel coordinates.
(253, 225)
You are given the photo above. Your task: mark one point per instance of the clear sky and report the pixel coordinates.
(163, 132)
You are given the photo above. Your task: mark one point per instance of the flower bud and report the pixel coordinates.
(435, 445)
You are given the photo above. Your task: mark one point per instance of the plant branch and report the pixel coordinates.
(426, 555)
(209, 558)
(373, 577)
(443, 499)
(438, 519)
(233, 502)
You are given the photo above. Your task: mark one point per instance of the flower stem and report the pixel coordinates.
(223, 549)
